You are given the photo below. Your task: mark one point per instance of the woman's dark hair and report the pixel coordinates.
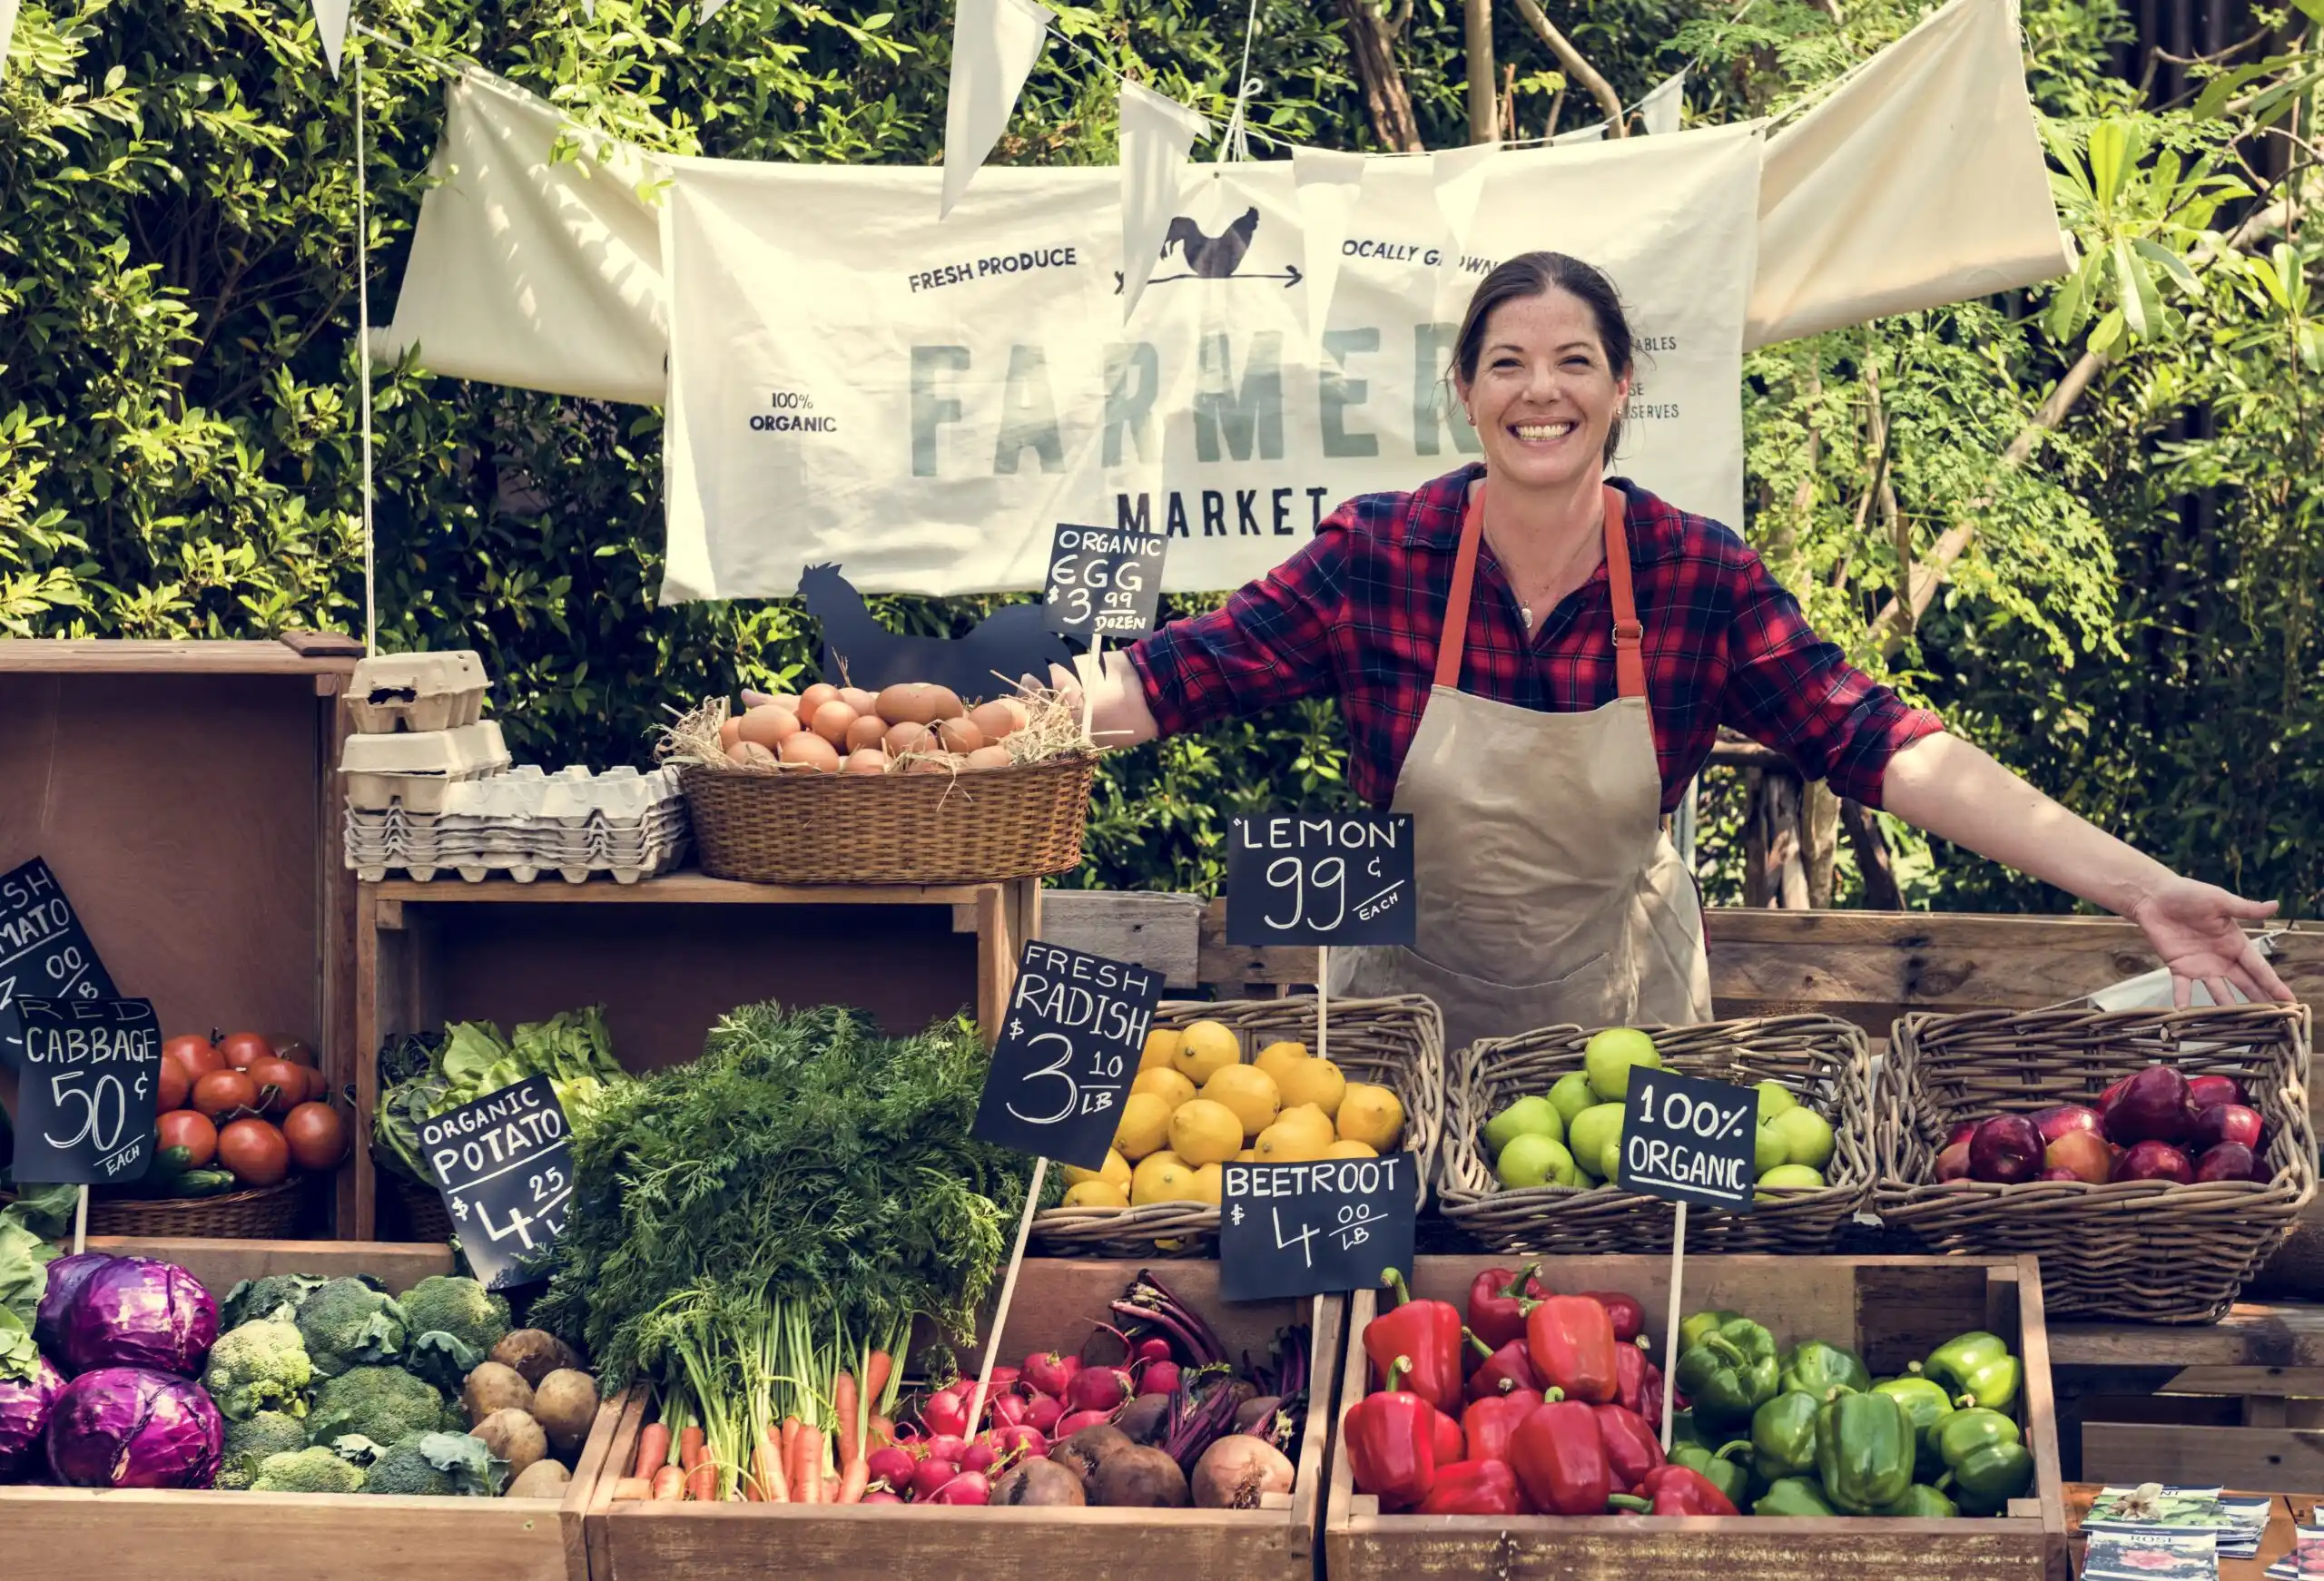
(1530, 274)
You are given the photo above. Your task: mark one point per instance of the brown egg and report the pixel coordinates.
(769, 726)
(832, 722)
(856, 698)
(917, 702)
(989, 757)
(868, 731)
(814, 697)
(959, 735)
(869, 760)
(811, 750)
(931, 765)
(789, 699)
(729, 733)
(1000, 719)
(750, 755)
(906, 738)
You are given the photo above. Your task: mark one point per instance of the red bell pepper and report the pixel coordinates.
(1637, 1382)
(1487, 1424)
(1427, 1334)
(1445, 1432)
(1679, 1490)
(1630, 1317)
(1390, 1439)
(1474, 1488)
(1560, 1460)
(1507, 1368)
(1570, 1338)
(1632, 1449)
(1497, 1301)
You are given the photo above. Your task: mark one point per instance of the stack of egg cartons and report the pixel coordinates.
(429, 787)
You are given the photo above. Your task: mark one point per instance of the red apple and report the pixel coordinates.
(2156, 1161)
(1953, 1163)
(2151, 1107)
(2084, 1155)
(2055, 1123)
(2228, 1160)
(2205, 1091)
(2106, 1099)
(2060, 1175)
(2005, 1149)
(2227, 1123)
(1960, 1132)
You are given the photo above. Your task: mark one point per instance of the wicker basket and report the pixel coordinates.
(809, 828)
(266, 1213)
(424, 1218)
(1824, 1061)
(1396, 1043)
(2147, 1251)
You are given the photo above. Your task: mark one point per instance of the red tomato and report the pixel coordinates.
(175, 1084)
(193, 1131)
(255, 1151)
(293, 1049)
(282, 1085)
(223, 1091)
(316, 1136)
(195, 1054)
(243, 1049)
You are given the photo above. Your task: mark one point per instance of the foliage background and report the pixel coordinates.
(2133, 625)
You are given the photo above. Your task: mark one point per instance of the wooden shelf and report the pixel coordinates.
(108, 656)
(682, 889)
(2252, 1334)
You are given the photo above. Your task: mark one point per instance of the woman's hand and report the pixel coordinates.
(2197, 929)
(1119, 715)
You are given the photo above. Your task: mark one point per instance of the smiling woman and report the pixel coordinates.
(1534, 659)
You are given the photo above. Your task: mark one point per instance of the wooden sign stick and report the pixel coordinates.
(81, 1221)
(1089, 687)
(1670, 1341)
(1323, 1001)
(1008, 1295)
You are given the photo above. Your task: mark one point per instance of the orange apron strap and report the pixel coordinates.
(1452, 643)
(1630, 656)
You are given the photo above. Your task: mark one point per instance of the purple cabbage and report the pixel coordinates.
(66, 1275)
(131, 1427)
(136, 1312)
(24, 1408)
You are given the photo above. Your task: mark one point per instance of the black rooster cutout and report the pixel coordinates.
(1209, 256)
(858, 651)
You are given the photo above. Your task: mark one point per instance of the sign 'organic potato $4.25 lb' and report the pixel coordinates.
(504, 1166)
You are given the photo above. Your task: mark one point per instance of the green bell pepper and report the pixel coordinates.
(1921, 1502)
(1729, 1372)
(1864, 1451)
(1782, 1436)
(1794, 1496)
(1692, 1330)
(1976, 1368)
(1722, 1467)
(1926, 1405)
(1816, 1367)
(1985, 1462)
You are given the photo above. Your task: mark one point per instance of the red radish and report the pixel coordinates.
(1099, 1389)
(931, 1475)
(2055, 1123)
(946, 1410)
(1155, 1350)
(945, 1447)
(1159, 1377)
(2082, 1154)
(2155, 1161)
(1044, 1411)
(1068, 1426)
(968, 1487)
(1003, 1376)
(1008, 1409)
(893, 1466)
(2205, 1091)
(1051, 1372)
(2227, 1122)
(879, 1496)
(2005, 1149)
(1025, 1441)
(1953, 1163)
(980, 1455)
(2151, 1107)
(2227, 1161)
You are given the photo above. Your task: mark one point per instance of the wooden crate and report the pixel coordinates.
(1892, 1310)
(212, 886)
(67, 1534)
(1057, 1300)
(667, 956)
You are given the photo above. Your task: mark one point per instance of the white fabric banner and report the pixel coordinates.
(994, 43)
(921, 402)
(1157, 135)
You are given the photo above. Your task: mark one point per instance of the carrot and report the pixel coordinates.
(852, 1485)
(810, 1475)
(702, 1482)
(693, 1448)
(627, 1487)
(831, 1490)
(653, 1450)
(669, 1483)
(876, 1367)
(880, 1435)
(770, 1481)
(851, 1441)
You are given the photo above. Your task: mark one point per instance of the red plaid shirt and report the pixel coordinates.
(1359, 611)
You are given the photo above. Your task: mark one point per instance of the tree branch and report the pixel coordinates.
(1576, 67)
(1390, 107)
(1484, 107)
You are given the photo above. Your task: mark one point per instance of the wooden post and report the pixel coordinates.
(1323, 1001)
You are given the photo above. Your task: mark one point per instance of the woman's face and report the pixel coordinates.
(1543, 398)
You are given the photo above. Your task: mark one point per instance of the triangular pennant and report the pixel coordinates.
(1586, 135)
(1660, 109)
(331, 27)
(994, 45)
(1328, 182)
(1157, 135)
(7, 26)
(1458, 176)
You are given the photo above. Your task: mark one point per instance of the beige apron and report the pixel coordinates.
(1548, 893)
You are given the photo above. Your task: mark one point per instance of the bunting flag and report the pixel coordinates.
(1457, 177)
(7, 26)
(331, 26)
(1660, 109)
(1585, 135)
(994, 45)
(1327, 183)
(1157, 135)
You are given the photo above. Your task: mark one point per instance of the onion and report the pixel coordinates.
(1236, 1470)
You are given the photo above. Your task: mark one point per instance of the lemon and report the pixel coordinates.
(1162, 1177)
(1250, 1092)
(1205, 1131)
(1115, 1171)
(1248, 1155)
(1210, 1183)
(1161, 1048)
(1286, 1142)
(1314, 1081)
(1372, 1114)
(1278, 1057)
(1205, 1049)
(1096, 1194)
(1164, 1084)
(1351, 1150)
(1308, 1121)
(1145, 1126)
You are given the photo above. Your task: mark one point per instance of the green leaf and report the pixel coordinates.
(2170, 263)
(2134, 292)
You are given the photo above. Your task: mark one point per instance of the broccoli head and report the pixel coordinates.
(314, 1469)
(260, 1365)
(383, 1404)
(438, 1465)
(266, 1298)
(447, 1304)
(349, 1323)
(269, 1432)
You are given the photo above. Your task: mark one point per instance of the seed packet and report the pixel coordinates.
(2151, 1554)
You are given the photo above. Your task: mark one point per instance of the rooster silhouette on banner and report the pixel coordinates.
(858, 651)
(1209, 256)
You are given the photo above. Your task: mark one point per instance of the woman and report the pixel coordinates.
(1586, 640)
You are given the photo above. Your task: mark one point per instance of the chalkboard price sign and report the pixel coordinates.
(1311, 1229)
(1104, 582)
(1067, 1052)
(43, 952)
(88, 1072)
(504, 1166)
(1342, 877)
(1687, 1140)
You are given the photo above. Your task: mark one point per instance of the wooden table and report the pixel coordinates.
(2290, 1511)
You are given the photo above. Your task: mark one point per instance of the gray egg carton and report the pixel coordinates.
(415, 694)
(527, 822)
(419, 770)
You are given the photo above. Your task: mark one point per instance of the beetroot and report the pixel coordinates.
(2153, 1160)
(1159, 1377)
(2227, 1123)
(2151, 1107)
(2201, 1091)
(1099, 1389)
(2005, 1150)
(2055, 1123)
(2226, 1161)
(1043, 1411)
(1049, 1372)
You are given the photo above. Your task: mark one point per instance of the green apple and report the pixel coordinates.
(1774, 1099)
(1609, 1057)
(1791, 1175)
(1806, 1136)
(1590, 1131)
(1771, 1152)
(1610, 1163)
(1572, 1095)
(1532, 1159)
(1526, 1116)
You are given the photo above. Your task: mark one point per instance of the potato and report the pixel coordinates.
(564, 1405)
(534, 1353)
(541, 1479)
(1089, 1448)
(514, 1437)
(1138, 1477)
(496, 1386)
(1039, 1482)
